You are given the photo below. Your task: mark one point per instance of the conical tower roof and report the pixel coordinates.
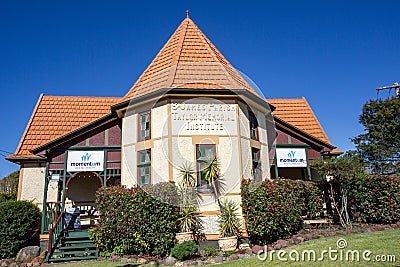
(188, 60)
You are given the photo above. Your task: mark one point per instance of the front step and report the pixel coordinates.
(87, 245)
(76, 253)
(72, 259)
(75, 246)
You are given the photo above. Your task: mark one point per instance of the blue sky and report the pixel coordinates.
(335, 53)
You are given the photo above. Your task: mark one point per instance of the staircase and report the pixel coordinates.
(73, 246)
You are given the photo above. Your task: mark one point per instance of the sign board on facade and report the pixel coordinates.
(203, 116)
(78, 161)
(55, 177)
(291, 157)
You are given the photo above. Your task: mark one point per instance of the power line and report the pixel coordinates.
(8, 152)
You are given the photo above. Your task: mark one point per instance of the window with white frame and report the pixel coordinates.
(144, 167)
(253, 125)
(204, 153)
(144, 126)
(255, 157)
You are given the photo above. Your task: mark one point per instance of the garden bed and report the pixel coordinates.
(200, 260)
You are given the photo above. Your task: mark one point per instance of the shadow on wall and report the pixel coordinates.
(82, 188)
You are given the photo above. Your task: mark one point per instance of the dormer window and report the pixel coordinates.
(253, 126)
(144, 126)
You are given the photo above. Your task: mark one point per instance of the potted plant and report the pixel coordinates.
(189, 222)
(230, 226)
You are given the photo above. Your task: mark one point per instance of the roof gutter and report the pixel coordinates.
(244, 93)
(39, 158)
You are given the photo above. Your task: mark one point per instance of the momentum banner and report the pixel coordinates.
(291, 157)
(80, 161)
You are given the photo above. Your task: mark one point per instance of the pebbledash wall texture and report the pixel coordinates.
(189, 105)
(179, 127)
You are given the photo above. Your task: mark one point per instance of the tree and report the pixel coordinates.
(9, 184)
(339, 172)
(379, 146)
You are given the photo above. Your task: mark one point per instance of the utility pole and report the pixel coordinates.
(395, 86)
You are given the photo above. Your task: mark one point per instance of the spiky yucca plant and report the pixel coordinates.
(212, 173)
(188, 219)
(186, 175)
(229, 221)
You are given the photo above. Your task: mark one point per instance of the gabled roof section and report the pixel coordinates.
(54, 116)
(188, 60)
(298, 112)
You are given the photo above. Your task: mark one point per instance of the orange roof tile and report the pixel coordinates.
(55, 116)
(188, 60)
(298, 112)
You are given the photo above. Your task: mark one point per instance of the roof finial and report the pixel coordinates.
(187, 14)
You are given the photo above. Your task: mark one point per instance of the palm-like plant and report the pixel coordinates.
(188, 220)
(212, 173)
(229, 222)
(187, 185)
(186, 175)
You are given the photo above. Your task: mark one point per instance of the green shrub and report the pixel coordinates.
(370, 198)
(5, 197)
(311, 198)
(229, 253)
(373, 199)
(19, 227)
(184, 250)
(272, 210)
(209, 251)
(134, 222)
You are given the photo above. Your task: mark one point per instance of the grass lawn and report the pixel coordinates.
(381, 243)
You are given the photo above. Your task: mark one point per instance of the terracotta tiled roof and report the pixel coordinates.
(55, 116)
(188, 60)
(298, 112)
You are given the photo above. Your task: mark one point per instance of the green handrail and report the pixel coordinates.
(55, 233)
(51, 212)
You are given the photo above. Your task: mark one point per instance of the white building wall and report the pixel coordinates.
(243, 120)
(128, 165)
(159, 121)
(128, 151)
(264, 150)
(32, 186)
(183, 144)
(229, 157)
(129, 130)
(159, 161)
(160, 148)
(52, 191)
(180, 135)
(246, 158)
(158, 144)
(183, 151)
